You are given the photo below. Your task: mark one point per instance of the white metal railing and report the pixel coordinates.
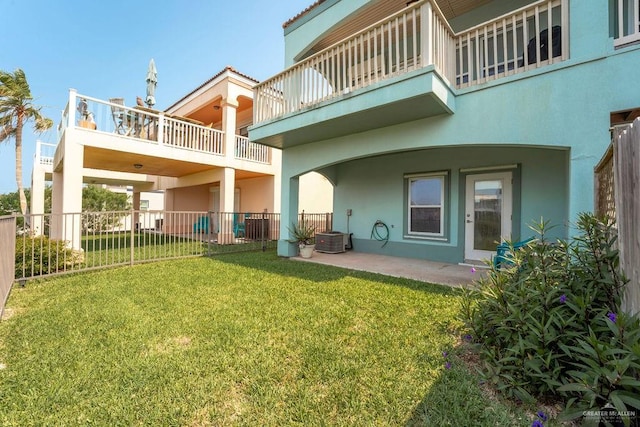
(44, 153)
(155, 127)
(146, 125)
(142, 124)
(416, 37)
(388, 48)
(530, 37)
(247, 150)
(190, 136)
(627, 22)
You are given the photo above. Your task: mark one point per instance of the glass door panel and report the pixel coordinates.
(487, 216)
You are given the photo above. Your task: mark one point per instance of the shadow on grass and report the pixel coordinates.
(457, 398)
(124, 240)
(270, 262)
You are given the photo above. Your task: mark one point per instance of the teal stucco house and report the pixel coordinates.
(447, 126)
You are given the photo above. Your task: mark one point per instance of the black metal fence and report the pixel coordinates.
(58, 244)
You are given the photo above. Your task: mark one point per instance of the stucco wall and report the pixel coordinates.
(373, 189)
(553, 121)
(565, 108)
(256, 194)
(194, 198)
(316, 194)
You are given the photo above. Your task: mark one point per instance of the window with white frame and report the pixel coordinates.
(426, 204)
(626, 14)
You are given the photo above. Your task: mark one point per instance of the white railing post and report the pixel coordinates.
(71, 110)
(160, 130)
(426, 36)
(36, 157)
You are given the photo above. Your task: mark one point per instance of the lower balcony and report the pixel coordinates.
(405, 67)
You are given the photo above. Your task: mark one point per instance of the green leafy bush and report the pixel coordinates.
(40, 255)
(543, 326)
(606, 369)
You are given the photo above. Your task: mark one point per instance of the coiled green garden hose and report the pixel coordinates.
(378, 235)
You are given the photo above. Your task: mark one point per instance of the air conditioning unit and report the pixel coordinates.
(332, 242)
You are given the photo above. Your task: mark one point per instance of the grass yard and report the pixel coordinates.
(240, 339)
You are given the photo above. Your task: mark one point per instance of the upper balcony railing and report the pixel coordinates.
(530, 37)
(419, 36)
(147, 126)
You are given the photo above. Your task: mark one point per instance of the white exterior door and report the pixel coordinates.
(488, 209)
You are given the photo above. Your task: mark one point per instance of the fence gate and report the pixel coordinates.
(617, 194)
(7, 257)
(626, 167)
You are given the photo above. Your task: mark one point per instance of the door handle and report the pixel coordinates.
(469, 221)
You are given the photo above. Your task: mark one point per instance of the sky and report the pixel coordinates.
(103, 48)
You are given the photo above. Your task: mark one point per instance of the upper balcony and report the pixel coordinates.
(407, 66)
(120, 138)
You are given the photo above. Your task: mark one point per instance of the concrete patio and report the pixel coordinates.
(454, 275)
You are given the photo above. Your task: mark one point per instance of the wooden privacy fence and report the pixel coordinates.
(617, 193)
(7, 257)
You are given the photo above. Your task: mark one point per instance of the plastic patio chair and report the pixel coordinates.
(201, 225)
(118, 115)
(504, 251)
(239, 229)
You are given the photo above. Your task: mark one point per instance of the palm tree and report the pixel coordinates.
(16, 109)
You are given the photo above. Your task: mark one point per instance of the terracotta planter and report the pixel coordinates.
(87, 124)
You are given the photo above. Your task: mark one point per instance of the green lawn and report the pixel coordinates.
(240, 339)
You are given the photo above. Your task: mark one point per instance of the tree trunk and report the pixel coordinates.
(23, 198)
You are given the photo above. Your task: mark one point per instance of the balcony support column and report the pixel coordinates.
(37, 195)
(66, 196)
(227, 202)
(229, 107)
(288, 215)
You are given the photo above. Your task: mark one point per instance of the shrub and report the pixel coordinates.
(606, 367)
(40, 255)
(543, 325)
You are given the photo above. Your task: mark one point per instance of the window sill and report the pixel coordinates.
(626, 40)
(426, 238)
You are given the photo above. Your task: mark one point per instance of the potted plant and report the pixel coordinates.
(304, 235)
(86, 117)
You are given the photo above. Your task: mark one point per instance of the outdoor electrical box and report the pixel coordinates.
(332, 242)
